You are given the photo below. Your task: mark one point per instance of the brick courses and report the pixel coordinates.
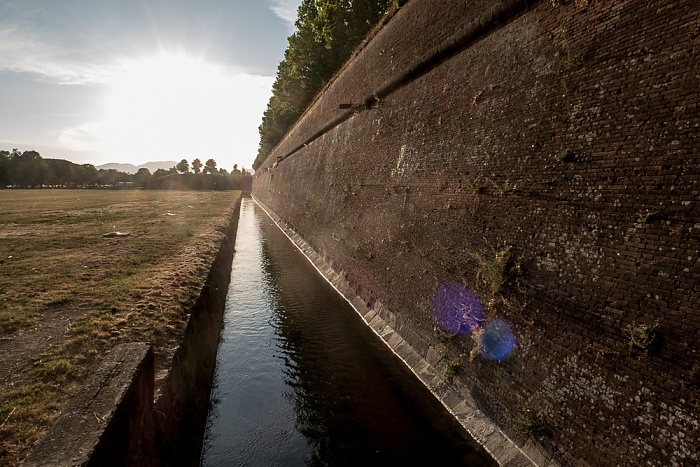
(570, 135)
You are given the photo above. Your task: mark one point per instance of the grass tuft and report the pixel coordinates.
(641, 336)
(495, 268)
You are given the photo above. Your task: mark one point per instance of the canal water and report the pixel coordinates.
(301, 380)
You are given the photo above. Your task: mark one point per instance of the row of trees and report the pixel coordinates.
(29, 170)
(199, 177)
(209, 167)
(328, 31)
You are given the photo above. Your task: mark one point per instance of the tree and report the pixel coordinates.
(183, 166)
(159, 179)
(327, 33)
(59, 171)
(210, 166)
(106, 176)
(121, 177)
(5, 168)
(196, 166)
(30, 168)
(85, 174)
(142, 177)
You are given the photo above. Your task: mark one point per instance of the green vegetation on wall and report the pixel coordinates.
(328, 31)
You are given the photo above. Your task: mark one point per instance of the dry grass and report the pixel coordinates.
(68, 294)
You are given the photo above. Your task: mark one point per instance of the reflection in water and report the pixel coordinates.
(301, 380)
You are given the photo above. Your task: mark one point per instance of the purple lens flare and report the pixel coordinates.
(457, 309)
(497, 341)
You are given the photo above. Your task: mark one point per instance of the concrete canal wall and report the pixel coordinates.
(116, 420)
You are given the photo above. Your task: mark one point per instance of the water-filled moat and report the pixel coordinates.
(301, 380)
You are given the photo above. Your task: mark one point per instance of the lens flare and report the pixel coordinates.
(497, 341)
(457, 309)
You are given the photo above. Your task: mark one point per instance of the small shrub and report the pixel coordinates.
(527, 424)
(361, 107)
(567, 60)
(495, 268)
(641, 336)
(647, 217)
(76, 344)
(694, 33)
(565, 156)
(447, 370)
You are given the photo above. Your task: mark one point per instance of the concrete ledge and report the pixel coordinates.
(93, 429)
(114, 420)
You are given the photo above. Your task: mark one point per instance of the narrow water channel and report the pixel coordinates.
(300, 380)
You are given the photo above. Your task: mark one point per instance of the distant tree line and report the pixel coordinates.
(29, 170)
(328, 31)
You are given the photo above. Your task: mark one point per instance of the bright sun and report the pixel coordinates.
(174, 107)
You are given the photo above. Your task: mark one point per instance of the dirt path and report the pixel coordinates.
(19, 352)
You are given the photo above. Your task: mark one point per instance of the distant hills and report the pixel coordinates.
(132, 169)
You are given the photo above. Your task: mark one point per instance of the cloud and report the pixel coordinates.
(23, 54)
(286, 10)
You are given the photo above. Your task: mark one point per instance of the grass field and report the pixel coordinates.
(68, 293)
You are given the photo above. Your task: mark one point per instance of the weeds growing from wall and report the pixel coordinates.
(647, 216)
(495, 268)
(641, 336)
(506, 187)
(694, 32)
(447, 369)
(565, 155)
(527, 424)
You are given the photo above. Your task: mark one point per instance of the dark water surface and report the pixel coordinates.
(301, 380)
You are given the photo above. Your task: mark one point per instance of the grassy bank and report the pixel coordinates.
(68, 293)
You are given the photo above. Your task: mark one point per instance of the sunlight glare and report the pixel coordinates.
(173, 106)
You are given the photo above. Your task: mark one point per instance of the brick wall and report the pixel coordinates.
(567, 141)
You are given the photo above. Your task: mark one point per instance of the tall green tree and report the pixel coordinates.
(59, 171)
(85, 174)
(142, 177)
(327, 33)
(210, 166)
(30, 168)
(183, 166)
(5, 168)
(196, 166)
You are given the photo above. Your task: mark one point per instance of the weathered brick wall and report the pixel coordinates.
(567, 138)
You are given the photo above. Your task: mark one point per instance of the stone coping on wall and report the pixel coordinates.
(105, 408)
(454, 395)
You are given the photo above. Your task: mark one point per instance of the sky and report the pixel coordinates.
(134, 81)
